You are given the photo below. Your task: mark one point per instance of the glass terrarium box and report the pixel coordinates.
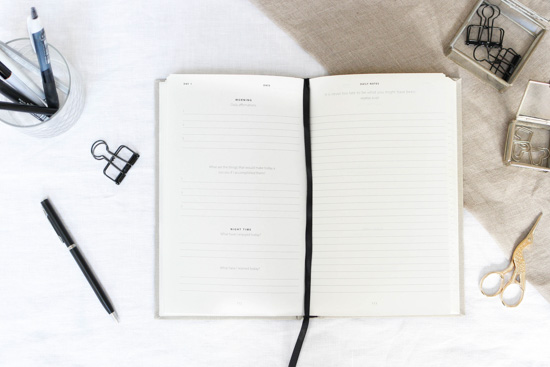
(528, 140)
(496, 41)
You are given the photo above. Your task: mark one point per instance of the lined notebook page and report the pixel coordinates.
(385, 195)
(232, 196)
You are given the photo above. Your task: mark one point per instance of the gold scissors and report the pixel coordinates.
(517, 267)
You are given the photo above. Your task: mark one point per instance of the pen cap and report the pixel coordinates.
(34, 25)
(56, 223)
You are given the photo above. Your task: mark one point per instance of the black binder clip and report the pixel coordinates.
(120, 162)
(485, 33)
(502, 61)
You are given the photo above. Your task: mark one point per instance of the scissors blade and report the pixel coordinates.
(532, 231)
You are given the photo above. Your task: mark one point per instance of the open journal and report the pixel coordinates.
(386, 200)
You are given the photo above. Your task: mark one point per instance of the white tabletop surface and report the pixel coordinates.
(49, 316)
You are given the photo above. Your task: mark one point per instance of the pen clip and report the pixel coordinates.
(55, 228)
(29, 25)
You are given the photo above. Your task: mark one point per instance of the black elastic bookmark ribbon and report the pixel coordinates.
(309, 223)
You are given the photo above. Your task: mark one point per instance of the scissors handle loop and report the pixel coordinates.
(518, 278)
(502, 283)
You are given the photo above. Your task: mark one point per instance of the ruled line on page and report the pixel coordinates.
(235, 216)
(217, 291)
(372, 195)
(397, 250)
(378, 216)
(428, 229)
(241, 121)
(238, 114)
(235, 128)
(240, 258)
(392, 225)
(369, 168)
(237, 244)
(375, 264)
(411, 241)
(371, 161)
(363, 174)
(379, 268)
(315, 130)
(406, 244)
(407, 135)
(379, 285)
(400, 291)
(414, 209)
(241, 183)
(356, 189)
(187, 141)
(240, 210)
(385, 202)
(368, 220)
(381, 257)
(388, 154)
(271, 150)
(248, 251)
(386, 271)
(382, 236)
(384, 277)
(384, 121)
(246, 196)
(241, 285)
(379, 113)
(377, 141)
(375, 175)
(380, 205)
(234, 203)
(412, 189)
(233, 278)
(316, 135)
(408, 183)
(241, 248)
(397, 244)
(246, 135)
(241, 202)
(386, 147)
(231, 189)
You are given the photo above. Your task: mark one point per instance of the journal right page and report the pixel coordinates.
(387, 199)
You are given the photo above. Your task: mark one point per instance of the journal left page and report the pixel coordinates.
(232, 196)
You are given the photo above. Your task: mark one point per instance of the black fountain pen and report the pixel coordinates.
(65, 237)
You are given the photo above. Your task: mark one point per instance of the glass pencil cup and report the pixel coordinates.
(70, 90)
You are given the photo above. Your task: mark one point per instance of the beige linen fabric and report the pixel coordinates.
(397, 36)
